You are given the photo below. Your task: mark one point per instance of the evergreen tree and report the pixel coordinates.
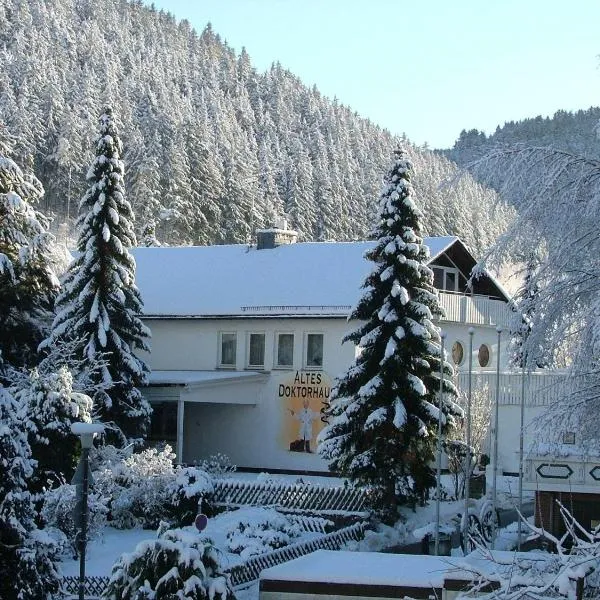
(28, 283)
(383, 413)
(51, 407)
(99, 303)
(27, 570)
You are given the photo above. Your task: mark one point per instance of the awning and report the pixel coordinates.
(206, 387)
(194, 378)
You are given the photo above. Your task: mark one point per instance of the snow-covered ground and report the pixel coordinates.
(103, 551)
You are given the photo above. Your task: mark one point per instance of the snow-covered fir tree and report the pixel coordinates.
(28, 283)
(383, 413)
(51, 406)
(99, 303)
(216, 145)
(27, 555)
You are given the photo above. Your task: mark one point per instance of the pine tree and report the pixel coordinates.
(383, 413)
(27, 569)
(100, 303)
(28, 283)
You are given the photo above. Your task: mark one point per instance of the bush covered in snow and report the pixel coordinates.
(57, 511)
(178, 565)
(261, 530)
(217, 465)
(191, 490)
(146, 488)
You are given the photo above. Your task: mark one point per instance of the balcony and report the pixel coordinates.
(475, 310)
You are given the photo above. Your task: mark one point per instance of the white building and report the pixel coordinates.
(247, 340)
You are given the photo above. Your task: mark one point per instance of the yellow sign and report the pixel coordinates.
(304, 398)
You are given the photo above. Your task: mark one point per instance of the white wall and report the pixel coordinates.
(253, 436)
(258, 435)
(509, 428)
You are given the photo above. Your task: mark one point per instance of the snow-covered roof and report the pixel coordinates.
(310, 278)
(366, 568)
(188, 378)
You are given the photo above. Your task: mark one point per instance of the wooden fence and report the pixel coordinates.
(247, 571)
(322, 500)
(250, 570)
(307, 505)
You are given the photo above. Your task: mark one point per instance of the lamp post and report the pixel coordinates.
(86, 433)
(439, 450)
(495, 441)
(521, 436)
(468, 458)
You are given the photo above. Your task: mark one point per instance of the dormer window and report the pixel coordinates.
(445, 279)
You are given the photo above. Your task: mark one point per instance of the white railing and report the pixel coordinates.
(541, 388)
(476, 310)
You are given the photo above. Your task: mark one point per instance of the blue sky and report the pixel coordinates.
(427, 68)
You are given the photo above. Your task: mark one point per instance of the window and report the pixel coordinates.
(285, 350)
(228, 350)
(458, 353)
(314, 350)
(483, 356)
(445, 278)
(256, 350)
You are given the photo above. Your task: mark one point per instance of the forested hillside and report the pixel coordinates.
(213, 149)
(572, 132)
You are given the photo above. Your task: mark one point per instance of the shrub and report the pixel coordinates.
(189, 493)
(57, 511)
(178, 565)
(146, 488)
(260, 530)
(217, 465)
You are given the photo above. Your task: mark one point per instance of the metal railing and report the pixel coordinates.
(295, 309)
(541, 388)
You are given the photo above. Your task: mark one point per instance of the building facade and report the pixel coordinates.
(247, 341)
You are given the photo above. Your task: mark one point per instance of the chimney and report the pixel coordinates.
(267, 239)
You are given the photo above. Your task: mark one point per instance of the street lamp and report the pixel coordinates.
(439, 449)
(86, 433)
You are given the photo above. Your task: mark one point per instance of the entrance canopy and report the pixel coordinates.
(208, 387)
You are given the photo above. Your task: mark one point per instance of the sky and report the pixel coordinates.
(426, 68)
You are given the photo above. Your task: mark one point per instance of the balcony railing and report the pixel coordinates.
(541, 388)
(476, 310)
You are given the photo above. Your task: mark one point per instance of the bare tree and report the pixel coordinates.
(456, 444)
(573, 571)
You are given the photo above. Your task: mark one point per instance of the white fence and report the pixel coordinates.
(541, 389)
